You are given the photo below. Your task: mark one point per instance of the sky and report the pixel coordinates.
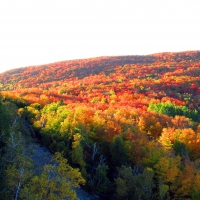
(34, 32)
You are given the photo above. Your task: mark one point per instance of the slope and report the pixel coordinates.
(129, 123)
(173, 75)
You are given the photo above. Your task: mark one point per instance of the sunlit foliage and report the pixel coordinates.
(128, 124)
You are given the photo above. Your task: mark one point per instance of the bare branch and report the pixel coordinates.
(13, 144)
(19, 183)
(137, 169)
(15, 121)
(95, 150)
(101, 159)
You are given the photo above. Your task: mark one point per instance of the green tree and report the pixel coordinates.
(134, 184)
(17, 174)
(98, 179)
(180, 148)
(173, 110)
(4, 123)
(118, 152)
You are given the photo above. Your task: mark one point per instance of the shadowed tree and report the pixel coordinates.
(118, 152)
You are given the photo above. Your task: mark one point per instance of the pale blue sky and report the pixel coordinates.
(36, 32)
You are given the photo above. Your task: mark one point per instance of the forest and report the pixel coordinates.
(124, 127)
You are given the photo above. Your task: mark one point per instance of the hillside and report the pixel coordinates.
(129, 125)
(174, 75)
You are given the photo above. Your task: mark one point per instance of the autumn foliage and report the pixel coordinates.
(129, 123)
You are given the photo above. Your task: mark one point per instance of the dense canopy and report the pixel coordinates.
(130, 125)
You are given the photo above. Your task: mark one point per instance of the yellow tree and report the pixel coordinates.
(187, 185)
(56, 182)
(167, 171)
(78, 154)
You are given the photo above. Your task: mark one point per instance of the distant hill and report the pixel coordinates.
(35, 75)
(87, 79)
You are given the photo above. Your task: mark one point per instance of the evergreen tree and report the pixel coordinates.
(118, 152)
